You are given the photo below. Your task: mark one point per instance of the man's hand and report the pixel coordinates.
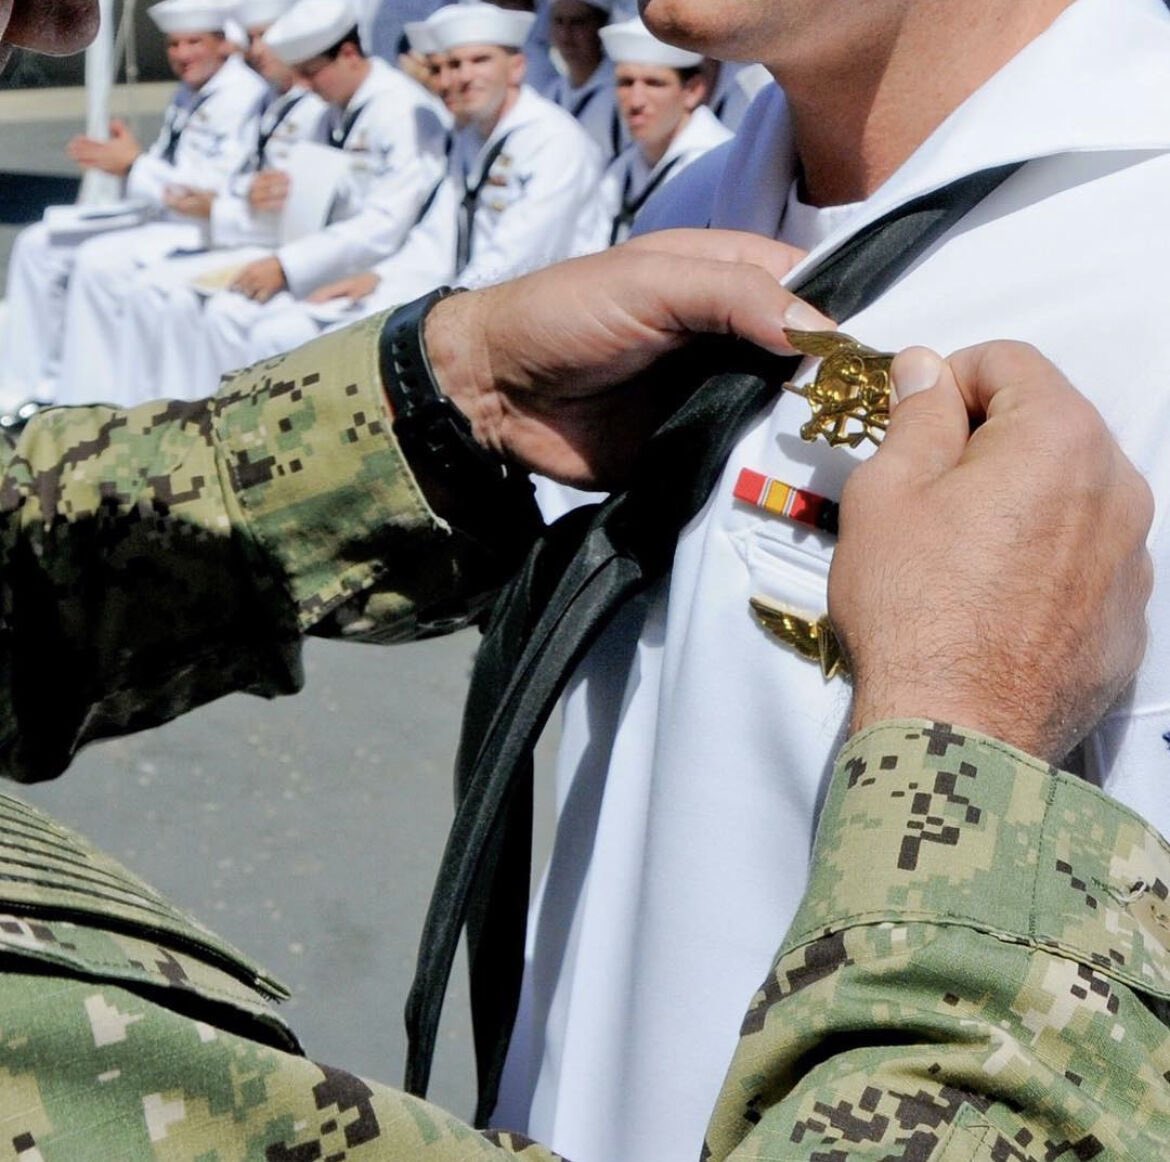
(268, 191)
(994, 578)
(531, 362)
(115, 156)
(355, 287)
(260, 280)
(192, 203)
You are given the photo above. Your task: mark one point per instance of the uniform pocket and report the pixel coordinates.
(786, 571)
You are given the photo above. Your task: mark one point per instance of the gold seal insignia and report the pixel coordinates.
(850, 395)
(812, 638)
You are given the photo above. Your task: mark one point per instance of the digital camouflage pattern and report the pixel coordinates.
(280, 506)
(959, 985)
(978, 973)
(128, 1031)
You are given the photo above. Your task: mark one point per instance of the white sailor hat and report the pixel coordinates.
(174, 17)
(420, 36)
(260, 13)
(631, 42)
(235, 31)
(478, 23)
(309, 28)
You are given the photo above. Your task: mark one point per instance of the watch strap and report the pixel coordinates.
(481, 495)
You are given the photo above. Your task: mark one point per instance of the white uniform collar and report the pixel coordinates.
(806, 226)
(227, 73)
(526, 108)
(380, 78)
(279, 100)
(702, 132)
(1095, 80)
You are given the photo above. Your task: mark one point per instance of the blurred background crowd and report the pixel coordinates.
(322, 160)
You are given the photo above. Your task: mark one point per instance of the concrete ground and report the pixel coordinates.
(308, 830)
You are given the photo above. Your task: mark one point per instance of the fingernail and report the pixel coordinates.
(802, 316)
(915, 370)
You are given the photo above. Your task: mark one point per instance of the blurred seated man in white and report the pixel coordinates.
(522, 181)
(525, 171)
(660, 93)
(205, 134)
(124, 357)
(586, 88)
(393, 135)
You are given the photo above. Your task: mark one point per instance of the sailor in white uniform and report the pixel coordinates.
(525, 170)
(424, 261)
(248, 212)
(660, 94)
(150, 350)
(694, 742)
(586, 90)
(522, 181)
(205, 134)
(396, 135)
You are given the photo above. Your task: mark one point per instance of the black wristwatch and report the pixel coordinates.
(477, 492)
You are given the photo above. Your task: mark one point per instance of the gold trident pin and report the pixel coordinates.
(812, 638)
(852, 385)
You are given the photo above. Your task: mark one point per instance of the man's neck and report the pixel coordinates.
(206, 81)
(361, 75)
(859, 117)
(581, 75)
(652, 155)
(487, 127)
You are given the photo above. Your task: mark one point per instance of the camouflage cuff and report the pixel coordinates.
(312, 460)
(927, 822)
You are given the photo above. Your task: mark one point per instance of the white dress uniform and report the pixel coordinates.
(533, 202)
(594, 105)
(630, 182)
(695, 745)
(536, 177)
(205, 135)
(288, 119)
(151, 349)
(736, 88)
(397, 135)
(426, 260)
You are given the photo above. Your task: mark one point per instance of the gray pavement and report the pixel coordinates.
(306, 830)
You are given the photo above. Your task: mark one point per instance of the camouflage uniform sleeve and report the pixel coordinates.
(979, 971)
(128, 1031)
(156, 558)
(91, 1071)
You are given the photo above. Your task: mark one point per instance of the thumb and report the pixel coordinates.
(929, 426)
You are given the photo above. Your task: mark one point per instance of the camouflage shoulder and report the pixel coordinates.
(91, 1072)
(67, 908)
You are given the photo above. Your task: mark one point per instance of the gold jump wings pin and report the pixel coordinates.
(812, 638)
(851, 386)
